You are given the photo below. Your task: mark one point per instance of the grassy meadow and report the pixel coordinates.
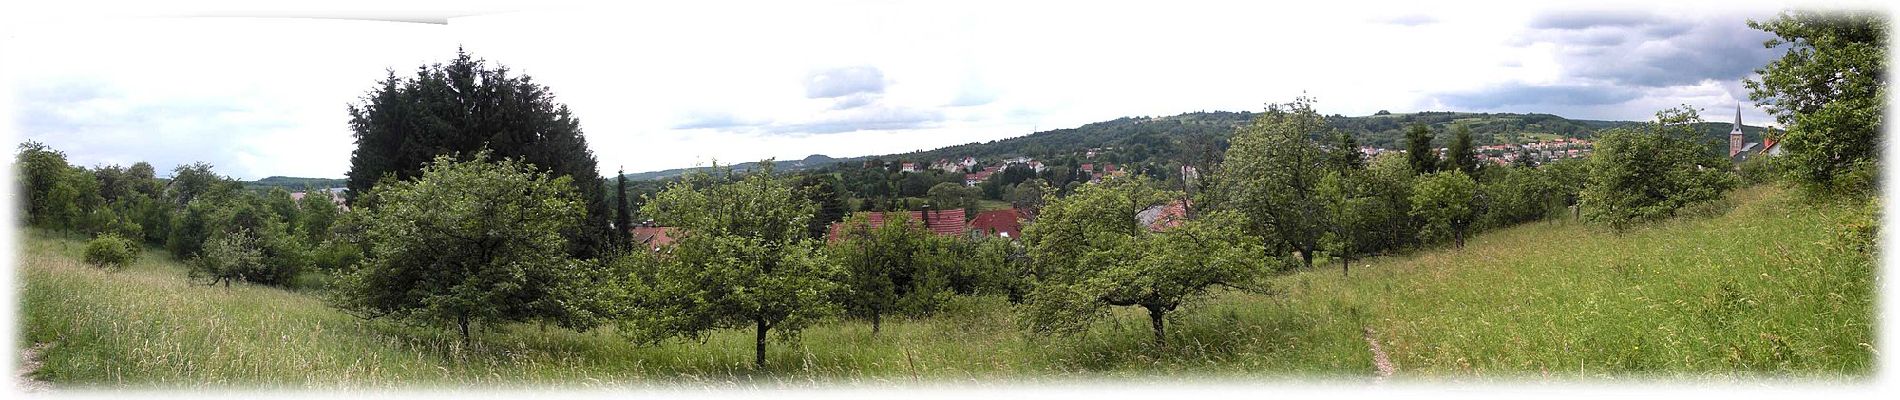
(1752, 292)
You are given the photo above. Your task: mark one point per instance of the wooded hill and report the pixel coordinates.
(1138, 139)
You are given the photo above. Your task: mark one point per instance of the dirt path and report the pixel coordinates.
(1379, 360)
(30, 363)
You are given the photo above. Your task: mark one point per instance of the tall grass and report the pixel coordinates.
(1749, 293)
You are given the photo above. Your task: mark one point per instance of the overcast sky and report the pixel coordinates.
(672, 86)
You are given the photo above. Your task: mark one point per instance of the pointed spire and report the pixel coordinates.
(1738, 116)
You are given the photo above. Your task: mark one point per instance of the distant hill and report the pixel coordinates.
(1165, 138)
(292, 183)
(812, 161)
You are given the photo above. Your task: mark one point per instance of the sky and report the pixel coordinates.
(258, 94)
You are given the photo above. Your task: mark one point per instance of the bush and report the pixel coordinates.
(111, 251)
(226, 258)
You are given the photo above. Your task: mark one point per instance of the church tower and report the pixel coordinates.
(1735, 133)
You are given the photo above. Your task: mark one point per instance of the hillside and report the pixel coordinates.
(1755, 292)
(1171, 139)
(292, 184)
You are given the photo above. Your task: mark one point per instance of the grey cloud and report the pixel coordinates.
(1643, 50)
(864, 119)
(1516, 94)
(1578, 20)
(853, 101)
(839, 82)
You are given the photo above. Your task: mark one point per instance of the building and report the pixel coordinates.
(908, 167)
(1001, 223)
(1739, 152)
(654, 237)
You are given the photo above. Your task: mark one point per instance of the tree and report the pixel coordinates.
(1388, 180)
(823, 190)
(1829, 90)
(880, 264)
(1647, 175)
(319, 211)
(464, 106)
(1418, 145)
(1346, 153)
(474, 242)
(285, 208)
(951, 196)
(1354, 215)
(1443, 201)
(1460, 155)
(1270, 175)
(743, 259)
(1091, 252)
(623, 222)
(44, 178)
(189, 181)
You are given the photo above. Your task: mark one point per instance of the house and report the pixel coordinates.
(908, 167)
(1002, 223)
(654, 237)
(941, 222)
(1163, 217)
(977, 178)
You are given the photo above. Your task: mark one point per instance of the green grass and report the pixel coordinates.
(1751, 293)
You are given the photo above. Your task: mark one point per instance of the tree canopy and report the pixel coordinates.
(1829, 90)
(743, 259)
(474, 242)
(465, 106)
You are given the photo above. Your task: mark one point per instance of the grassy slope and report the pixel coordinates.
(1747, 293)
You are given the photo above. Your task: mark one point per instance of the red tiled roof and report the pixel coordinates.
(654, 236)
(1172, 215)
(1008, 223)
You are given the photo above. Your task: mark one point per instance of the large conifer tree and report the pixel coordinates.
(462, 107)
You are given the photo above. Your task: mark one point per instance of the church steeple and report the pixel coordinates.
(1735, 133)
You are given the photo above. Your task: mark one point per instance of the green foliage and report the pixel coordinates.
(1091, 253)
(1418, 147)
(230, 257)
(474, 242)
(405, 123)
(880, 264)
(1516, 195)
(1387, 182)
(111, 251)
(1460, 155)
(744, 259)
(319, 213)
(1829, 89)
(1638, 176)
(954, 196)
(1444, 204)
(1270, 175)
(1757, 170)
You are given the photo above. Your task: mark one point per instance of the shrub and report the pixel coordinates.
(111, 251)
(227, 257)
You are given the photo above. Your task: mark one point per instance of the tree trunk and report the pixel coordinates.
(1306, 256)
(1345, 266)
(1154, 317)
(758, 358)
(1458, 238)
(877, 319)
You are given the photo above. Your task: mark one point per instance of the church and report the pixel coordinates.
(1739, 152)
